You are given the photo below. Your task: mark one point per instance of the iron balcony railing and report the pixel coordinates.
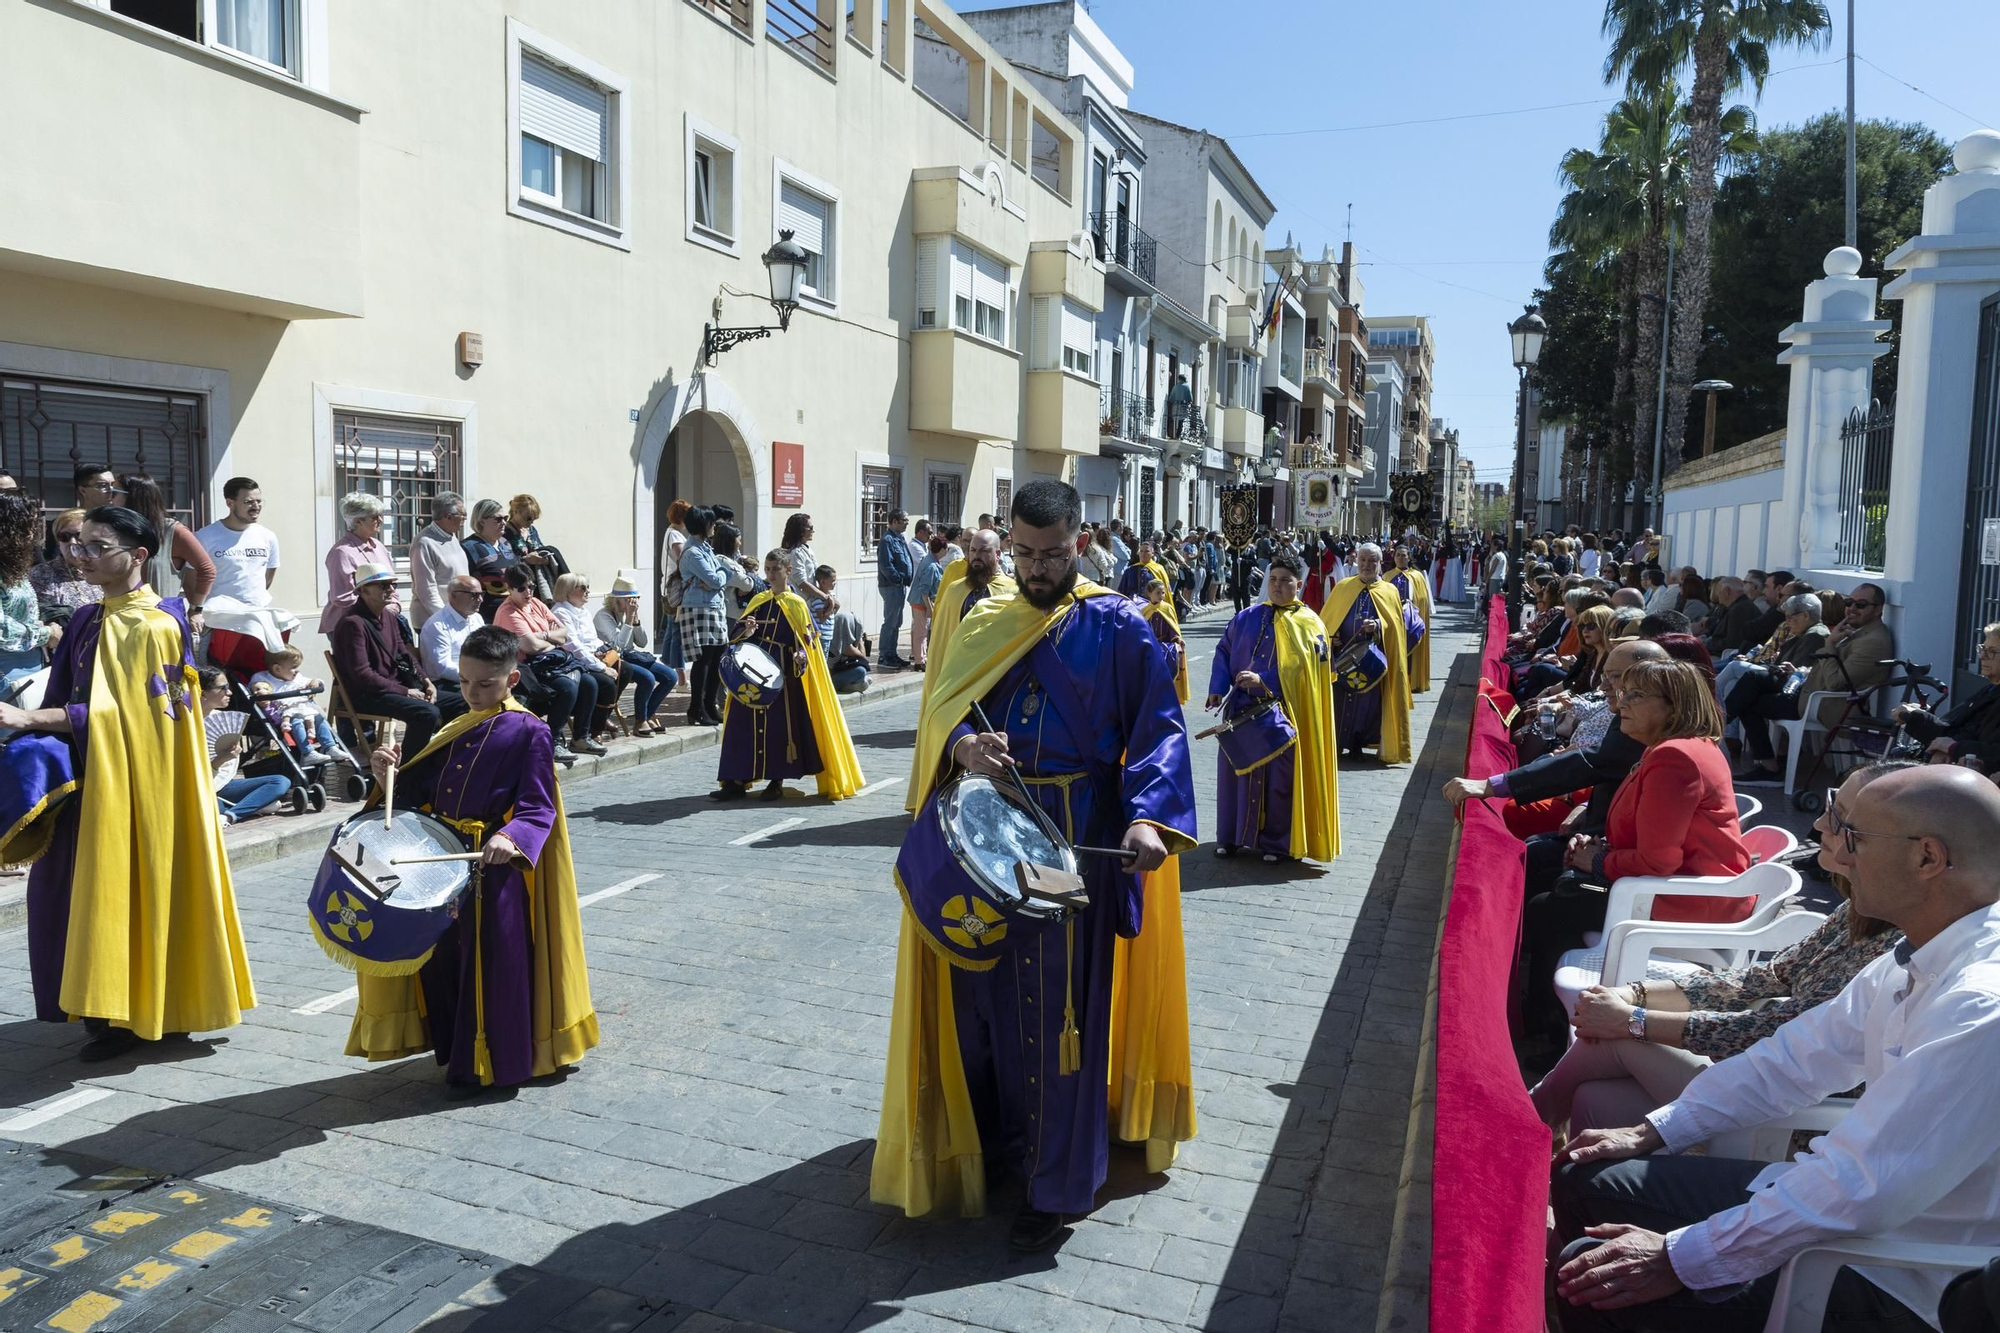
(1121, 243)
(1186, 421)
(800, 27)
(1866, 439)
(1122, 415)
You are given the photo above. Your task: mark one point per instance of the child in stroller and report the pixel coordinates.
(268, 745)
(297, 716)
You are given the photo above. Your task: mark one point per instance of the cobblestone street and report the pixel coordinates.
(707, 1166)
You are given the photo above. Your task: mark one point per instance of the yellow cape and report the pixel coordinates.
(1166, 610)
(1420, 656)
(946, 615)
(927, 1152)
(839, 776)
(1307, 687)
(1159, 571)
(1395, 687)
(389, 1020)
(154, 944)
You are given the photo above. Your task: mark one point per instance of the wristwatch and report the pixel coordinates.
(1636, 1026)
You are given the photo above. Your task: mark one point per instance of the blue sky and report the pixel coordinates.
(1451, 217)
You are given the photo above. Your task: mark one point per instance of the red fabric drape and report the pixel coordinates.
(1489, 1194)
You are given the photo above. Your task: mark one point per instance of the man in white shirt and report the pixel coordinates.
(1917, 1158)
(443, 635)
(245, 552)
(436, 558)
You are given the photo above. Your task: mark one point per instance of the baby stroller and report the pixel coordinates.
(266, 748)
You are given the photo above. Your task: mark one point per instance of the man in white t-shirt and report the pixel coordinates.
(245, 551)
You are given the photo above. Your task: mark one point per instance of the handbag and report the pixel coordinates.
(676, 589)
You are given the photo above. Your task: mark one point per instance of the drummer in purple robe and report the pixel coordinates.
(1009, 1069)
(1289, 805)
(1372, 704)
(504, 996)
(803, 733)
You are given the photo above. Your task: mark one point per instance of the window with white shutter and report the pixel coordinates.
(810, 220)
(568, 121)
(1079, 338)
(961, 285)
(1042, 349)
(989, 297)
(928, 250)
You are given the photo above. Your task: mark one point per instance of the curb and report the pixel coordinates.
(266, 840)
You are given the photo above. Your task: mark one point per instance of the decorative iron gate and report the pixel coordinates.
(1866, 439)
(50, 427)
(1979, 570)
(1149, 484)
(402, 461)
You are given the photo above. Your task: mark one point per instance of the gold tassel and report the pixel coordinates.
(482, 1060)
(1069, 1046)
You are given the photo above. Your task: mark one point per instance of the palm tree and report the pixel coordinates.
(1728, 44)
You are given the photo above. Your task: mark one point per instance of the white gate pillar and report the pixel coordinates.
(1946, 273)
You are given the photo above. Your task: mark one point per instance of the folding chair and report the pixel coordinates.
(339, 710)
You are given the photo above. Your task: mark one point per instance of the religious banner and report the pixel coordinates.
(1316, 493)
(788, 475)
(1239, 514)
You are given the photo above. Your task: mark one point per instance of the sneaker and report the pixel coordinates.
(563, 755)
(587, 745)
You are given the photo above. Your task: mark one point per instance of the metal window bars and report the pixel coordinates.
(402, 461)
(48, 428)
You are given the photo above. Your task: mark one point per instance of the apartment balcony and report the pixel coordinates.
(954, 201)
(160, 166)
(1055, 268)
(1186, 423)
(965, 386)
(1128, 252)
(1243, 432)
(1123, 417)
(1321, 369)
(1062, 413)
(1242, 332)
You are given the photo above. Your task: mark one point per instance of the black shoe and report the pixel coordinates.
(730, 791)
(1034, 1230)
(108, 1044)
(712, 719)
(774, 792)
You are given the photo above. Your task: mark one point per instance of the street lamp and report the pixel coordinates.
(1527, 334)
(785, 264)
(1711, 388)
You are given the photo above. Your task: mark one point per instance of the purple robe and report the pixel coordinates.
(1413, 622)
(72, 670)
(1049, 1127)
(502, 773)
(1254, 810)
(762, 744)
(1358, 717)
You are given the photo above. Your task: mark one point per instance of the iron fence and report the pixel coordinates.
(1866, 441)
(1979, 569)
(1121, 243)
(1122, 415)
(800, 27)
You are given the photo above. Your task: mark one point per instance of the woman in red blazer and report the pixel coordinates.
(1675, 814)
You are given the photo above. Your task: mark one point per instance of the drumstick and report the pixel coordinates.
(1020, 783)
(1122, 853)
(433, 860)
(389, 730)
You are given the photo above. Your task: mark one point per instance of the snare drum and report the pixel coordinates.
(376, 916)
(956, 869)
(1255, 734)
(750, 676)
(1360, 666)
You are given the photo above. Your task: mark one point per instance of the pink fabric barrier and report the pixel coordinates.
(1490, 1185)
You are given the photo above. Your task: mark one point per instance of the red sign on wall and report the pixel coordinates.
(788, 475)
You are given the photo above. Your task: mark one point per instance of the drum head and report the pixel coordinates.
(990, 830)
(373, 850)
(757, 664)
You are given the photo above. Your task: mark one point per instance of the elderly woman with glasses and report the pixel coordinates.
(488, 554)
(1970, 733)
(59, 584)
(361, 518)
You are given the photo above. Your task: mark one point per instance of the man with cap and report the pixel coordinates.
(376, 663)
(618, 626)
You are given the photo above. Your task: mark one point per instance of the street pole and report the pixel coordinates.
(1519, 523)
(1660, 407)
(1852, 231)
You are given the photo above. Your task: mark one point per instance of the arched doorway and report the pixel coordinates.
(701, 444)
(701, 464)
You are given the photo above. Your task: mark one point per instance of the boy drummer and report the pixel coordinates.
(505, 994)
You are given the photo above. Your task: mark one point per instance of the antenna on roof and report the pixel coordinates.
(1350, 223)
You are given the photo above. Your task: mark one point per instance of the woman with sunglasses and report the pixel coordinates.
(59, 584)
(1639, 1045)
(1970, 733)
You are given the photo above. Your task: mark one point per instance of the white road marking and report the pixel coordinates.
(326, 1002)
(622, 886)
(338, 998)
(61, 1106)
(877, 786)
(764, 833)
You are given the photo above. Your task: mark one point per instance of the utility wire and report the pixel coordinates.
(1977, 120)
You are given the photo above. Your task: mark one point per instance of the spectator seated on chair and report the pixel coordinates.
(444, 634)
(1852, 658)
(1675, 814)
(1658, 1240)
(377, 664)
(1732, 619)
(1639, 1045)
(840, 635)
(1970, 733)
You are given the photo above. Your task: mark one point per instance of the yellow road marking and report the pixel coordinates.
(145, 1275)
(185, 1196)
(201, 1244)
(84, 1313)
(122, 1221)
(14, 1281)
(67, 1251)
(250, 1217)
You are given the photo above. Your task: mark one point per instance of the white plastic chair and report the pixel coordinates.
(1672, 951)
(1747, 809)
(1795, 730)
(1806, 1280)
(1631, 898)
(1768, 842)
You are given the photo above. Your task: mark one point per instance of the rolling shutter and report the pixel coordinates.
(804, 215)
(989, 281)
(961, 277)
(927, 281)
(559, 108)
(1078, 331)
(1047, 356)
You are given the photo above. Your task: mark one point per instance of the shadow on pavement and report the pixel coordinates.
(903, 740)
(660, 810)
(881, 831)
(62, 1071)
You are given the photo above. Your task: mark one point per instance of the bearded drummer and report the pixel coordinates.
(801, 733)
(1015, 1064)
(1289, 807)
(1415, 590)
(1367, 606)
(505, 996)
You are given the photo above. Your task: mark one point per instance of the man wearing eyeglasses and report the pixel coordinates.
(131, 916)
(1858, 657)
(1003, 1037)
(96, 484)
(1657, 1240)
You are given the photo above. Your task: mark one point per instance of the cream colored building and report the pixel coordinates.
(260, 239)
(1407, 340)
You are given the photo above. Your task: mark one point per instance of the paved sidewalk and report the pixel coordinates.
(708, 1164)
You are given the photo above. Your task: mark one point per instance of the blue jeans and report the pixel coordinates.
(241, 798)
(651, 681)
(893, 598)
(308, 733)
(850, 678)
